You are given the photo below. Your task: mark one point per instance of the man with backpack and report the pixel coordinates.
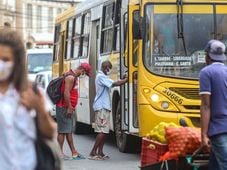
(66, 106)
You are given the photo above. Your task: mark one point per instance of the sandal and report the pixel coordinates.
(78, 157)
(105, 157)
(95, 157)
(65, 157)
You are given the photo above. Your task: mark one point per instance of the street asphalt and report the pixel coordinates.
(117, 161)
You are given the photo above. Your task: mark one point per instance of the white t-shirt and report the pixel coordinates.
(17, 133)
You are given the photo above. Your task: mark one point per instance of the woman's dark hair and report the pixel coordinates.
(13, 40)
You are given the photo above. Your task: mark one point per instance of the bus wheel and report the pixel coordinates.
(124, 143)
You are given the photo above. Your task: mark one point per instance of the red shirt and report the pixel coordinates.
(73, 94)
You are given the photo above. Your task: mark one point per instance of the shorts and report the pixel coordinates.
(65, 124)
(102, 121)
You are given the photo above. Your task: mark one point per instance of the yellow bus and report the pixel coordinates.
(159, 43)
(174, 38)
(61, 62)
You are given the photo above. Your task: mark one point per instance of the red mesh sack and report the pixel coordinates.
(181, 141)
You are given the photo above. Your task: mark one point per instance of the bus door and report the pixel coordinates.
(133, 52)
(93, 60)
(129, 116)
(84, 56)
(124, 68)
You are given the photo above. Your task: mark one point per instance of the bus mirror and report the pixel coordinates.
(137, 27)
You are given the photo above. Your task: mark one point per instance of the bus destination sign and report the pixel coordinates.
(172, 61)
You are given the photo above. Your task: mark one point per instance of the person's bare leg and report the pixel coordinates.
(69, 138)
(98, 140)
(61, 139)
(100, 148)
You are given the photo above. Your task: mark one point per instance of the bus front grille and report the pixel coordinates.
(191, 107)
(195, 121)
(189, 93)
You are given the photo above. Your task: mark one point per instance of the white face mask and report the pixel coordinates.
(6, 69)
(108, 72)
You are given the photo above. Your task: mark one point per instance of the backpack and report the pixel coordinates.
(54, 88)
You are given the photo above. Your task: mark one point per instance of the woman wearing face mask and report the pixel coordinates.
(19, 104)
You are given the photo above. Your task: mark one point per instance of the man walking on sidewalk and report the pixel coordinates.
(102, 108)
(66, 107)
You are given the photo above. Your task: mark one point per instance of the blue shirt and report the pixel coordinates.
(102, 99)
(213, 81)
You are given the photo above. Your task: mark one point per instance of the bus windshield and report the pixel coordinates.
(175, 53)
(39, 62)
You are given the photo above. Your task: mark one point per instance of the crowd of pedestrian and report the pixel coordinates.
(102, 108)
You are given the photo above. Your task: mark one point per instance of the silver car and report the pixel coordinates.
(42, 79)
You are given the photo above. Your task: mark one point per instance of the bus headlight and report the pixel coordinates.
(154, 97)
(158, 101)
(165, 105)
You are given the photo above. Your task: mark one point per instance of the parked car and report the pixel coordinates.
(42, 79)
(38, 59)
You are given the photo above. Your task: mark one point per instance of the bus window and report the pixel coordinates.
(116, 43)
(107, 28)
(56, 42)
(125, 54)
(222, 28)
(117, 38)
(85, 35)
(69, 39)
(125, 30)
(164, 49)
(76, 37)
(136, 17)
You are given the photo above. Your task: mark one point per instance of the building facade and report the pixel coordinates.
(34, 19)
(7, 13)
